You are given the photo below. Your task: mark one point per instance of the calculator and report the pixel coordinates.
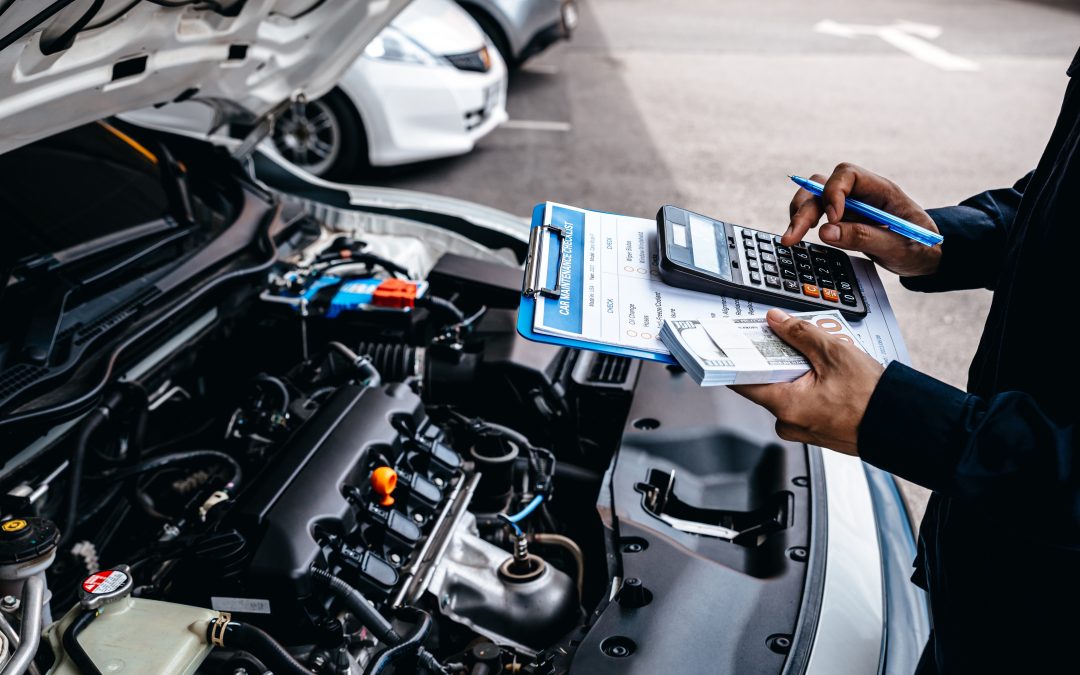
(709, 255)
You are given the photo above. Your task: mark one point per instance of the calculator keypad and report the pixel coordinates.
(814, 272)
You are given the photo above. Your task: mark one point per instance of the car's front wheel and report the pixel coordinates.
(324, 137)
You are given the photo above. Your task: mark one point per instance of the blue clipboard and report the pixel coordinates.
(539, 237)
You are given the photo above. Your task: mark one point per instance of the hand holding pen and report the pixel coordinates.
(846, 228)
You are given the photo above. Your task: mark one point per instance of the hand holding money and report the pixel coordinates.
(825, 406)
(744, 350)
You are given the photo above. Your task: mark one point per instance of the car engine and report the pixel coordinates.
(295, 452)
(334, 455)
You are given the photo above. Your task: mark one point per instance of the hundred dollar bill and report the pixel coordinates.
(744, 350)
(697, 352)
(692, 336)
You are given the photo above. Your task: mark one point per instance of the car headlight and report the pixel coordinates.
(393, 45)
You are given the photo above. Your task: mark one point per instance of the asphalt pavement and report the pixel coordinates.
(711, 105)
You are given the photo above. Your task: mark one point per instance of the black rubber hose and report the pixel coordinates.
(74, 649)
(519, 439)
(94, 419)
(367, 615)
(409, 645)
(280, 387)
(370, 375)
(137, 440)
(446, 306)
(100, 503)
(388, 265)
(163, 461)
(567, 472)
(263, 647)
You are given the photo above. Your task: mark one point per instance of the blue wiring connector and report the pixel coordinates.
(522, 514)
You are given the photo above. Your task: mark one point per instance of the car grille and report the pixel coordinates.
(492, 97)
(18, 377)
(478, 61)
(609, 369)
(474, 118)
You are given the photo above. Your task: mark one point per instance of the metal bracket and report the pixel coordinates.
(534, 267)
(217, 630)
(745, 528)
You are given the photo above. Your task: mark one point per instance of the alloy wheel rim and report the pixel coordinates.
(309, 136)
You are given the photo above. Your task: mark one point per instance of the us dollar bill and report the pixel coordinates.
(692, 337)
(775, 351)
(744, 350)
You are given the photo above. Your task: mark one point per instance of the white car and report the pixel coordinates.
(430, 85)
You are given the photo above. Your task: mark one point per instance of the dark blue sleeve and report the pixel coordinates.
(1002, 452)
(974, 248)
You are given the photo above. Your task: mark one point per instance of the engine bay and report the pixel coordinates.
(336, 464)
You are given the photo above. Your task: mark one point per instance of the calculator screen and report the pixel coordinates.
(708, 244)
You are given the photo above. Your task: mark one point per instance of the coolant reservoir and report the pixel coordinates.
(134, 635)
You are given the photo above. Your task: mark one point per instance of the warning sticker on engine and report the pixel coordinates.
(104, 582)
(248, 605)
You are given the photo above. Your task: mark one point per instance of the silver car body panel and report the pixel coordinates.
(520, 20)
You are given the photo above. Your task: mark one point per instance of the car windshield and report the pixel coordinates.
(93, 218)
(76, 187)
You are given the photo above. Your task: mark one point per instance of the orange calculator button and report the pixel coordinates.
(830, 295)
(811, 290)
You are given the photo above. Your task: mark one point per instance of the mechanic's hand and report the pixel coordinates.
(825, 406)
(888, 249)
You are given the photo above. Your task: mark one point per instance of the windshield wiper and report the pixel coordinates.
(59, 290)
(57, 260)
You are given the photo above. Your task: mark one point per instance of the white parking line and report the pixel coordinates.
(908, 37)
(536, 125)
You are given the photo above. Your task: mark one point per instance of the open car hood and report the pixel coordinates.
(67, 62)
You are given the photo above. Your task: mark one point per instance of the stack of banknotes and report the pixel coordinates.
(744, 350)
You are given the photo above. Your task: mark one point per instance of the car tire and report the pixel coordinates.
(494, 33)
(325, 137)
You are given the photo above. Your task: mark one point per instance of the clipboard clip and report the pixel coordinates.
(534, 268)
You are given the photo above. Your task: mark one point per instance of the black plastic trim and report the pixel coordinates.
(263, 214)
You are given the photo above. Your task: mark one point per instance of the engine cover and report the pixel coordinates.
(305, 491)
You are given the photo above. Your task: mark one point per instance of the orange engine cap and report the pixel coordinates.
(384, 482)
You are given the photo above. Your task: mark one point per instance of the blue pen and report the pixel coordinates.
(897, 225)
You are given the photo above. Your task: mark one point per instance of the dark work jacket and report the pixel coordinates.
(999, 546)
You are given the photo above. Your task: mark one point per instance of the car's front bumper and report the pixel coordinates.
(413, 113)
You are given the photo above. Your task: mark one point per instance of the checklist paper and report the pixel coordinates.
(608, 290)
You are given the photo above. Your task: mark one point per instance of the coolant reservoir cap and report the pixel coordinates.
(106, 586)
(23, 539)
